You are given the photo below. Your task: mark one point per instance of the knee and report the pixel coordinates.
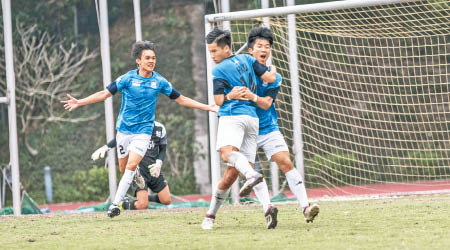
(285, 165)
(165, 200)
(141, 204)
(224, 156)
(131, 166)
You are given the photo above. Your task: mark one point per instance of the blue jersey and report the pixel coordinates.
(139, 97)
(268, 120)
(237, 70)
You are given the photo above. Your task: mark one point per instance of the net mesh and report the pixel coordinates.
(374, 87)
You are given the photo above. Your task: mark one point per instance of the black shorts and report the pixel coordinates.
(155, 184)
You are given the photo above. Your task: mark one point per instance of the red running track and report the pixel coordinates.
(315, 193)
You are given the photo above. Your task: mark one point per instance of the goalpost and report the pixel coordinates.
(364, 105)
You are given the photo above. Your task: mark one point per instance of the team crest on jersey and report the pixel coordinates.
(153, 84)
(136, 83)
(265, 84)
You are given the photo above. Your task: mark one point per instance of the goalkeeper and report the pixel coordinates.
(148, 174)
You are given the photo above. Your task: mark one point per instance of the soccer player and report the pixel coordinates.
(270, 139)
(238, 121)
(149, 175)
(140, 89)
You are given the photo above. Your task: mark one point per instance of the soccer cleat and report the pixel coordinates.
(271, 217)
(249, 184)
(113, 210)
(208, 222)
(311, 212)
(124, 204)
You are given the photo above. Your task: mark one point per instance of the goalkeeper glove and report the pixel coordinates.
(140, 182)
(155, 168)
(100, 153)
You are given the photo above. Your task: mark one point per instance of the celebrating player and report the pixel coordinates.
(270, 139)
(238, 121)
(149, 168)
(140, 89)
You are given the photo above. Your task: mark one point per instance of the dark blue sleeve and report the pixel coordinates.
(174, 94)
(272, 93)
(220, 85)
(259, 68)
(162, 152)
(112, 143)
(112, 88)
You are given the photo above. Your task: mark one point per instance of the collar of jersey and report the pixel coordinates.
(152, 76)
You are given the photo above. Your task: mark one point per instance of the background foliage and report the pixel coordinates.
(67, 147)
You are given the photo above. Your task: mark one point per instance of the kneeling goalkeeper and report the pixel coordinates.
(148, 173)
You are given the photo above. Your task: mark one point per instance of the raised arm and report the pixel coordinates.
(74, 103)
(270, 76)
(267, 74)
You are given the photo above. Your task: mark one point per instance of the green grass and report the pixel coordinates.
(401, 223)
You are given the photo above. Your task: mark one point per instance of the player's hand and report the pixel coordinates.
(238, 93)
(155, 168)
(213, 108)
(100, 152)
(248, 95)
(272, 69)
(71, 104)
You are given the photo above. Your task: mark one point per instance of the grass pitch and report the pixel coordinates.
(397, 223)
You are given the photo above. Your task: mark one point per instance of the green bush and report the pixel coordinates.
(418, 165)
(338, 169)
(94, 183)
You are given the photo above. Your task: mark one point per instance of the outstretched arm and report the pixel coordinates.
(74, 103)
(188, 102)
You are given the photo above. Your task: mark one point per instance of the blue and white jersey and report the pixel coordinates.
(237, 70)
(268, 120)
(139, 97)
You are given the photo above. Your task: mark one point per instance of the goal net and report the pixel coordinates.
(374, 94)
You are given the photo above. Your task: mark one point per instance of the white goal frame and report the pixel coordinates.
(290, 12)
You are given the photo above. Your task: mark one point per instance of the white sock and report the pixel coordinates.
(216, 201)
(240, 162)
(297, 187)
(124, 184)
(262, 193)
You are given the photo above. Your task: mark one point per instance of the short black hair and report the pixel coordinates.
(221, 37)
(139, 46)
(259, 33)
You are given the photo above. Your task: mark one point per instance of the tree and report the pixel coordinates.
(45, 70)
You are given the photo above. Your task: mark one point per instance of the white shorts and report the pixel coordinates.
(138, 143)
(240, 131)
(272, 143)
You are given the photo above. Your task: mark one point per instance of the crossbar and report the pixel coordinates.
(306, 8)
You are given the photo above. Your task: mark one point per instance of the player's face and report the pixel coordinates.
(260, 50)
(217, 53)
(147, 61)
